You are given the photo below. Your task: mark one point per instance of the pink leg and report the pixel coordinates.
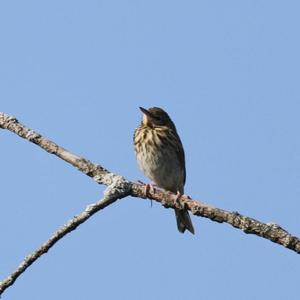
(177, 198)
(148, 187)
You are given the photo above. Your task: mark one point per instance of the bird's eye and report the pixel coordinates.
(158, 119)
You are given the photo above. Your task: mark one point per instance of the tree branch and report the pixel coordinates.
(119, 187)
(115, 191)
(270, 231)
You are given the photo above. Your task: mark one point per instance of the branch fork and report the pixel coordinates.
(119, 187)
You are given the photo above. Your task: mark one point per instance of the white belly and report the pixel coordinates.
(162, 167)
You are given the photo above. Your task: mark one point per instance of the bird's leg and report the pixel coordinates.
(153, 185)
(148, 187)
(177, 199)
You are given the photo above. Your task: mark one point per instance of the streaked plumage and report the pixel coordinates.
(160, 155)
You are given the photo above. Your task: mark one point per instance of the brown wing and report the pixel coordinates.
(179, 149)
(180, 155)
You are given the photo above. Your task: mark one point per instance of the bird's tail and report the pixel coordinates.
(184, 221)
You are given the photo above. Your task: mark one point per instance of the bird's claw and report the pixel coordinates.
(149, 188)
(177, 200)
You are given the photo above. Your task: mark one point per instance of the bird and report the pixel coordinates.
(160, 155)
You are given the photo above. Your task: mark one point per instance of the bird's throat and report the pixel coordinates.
(146, 122)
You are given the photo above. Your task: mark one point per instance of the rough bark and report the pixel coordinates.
(118, 187)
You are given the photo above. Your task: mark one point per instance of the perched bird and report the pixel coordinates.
(160, 155)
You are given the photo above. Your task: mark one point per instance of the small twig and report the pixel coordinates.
(112, 193)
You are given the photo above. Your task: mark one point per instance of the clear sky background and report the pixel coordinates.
(77, 71)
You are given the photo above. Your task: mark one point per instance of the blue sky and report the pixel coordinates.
(228, 74)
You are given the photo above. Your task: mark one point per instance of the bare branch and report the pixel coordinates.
(96, 171)
(270, 231)
(119, 187)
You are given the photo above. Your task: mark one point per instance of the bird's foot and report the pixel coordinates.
(177, 200)
(149, 188)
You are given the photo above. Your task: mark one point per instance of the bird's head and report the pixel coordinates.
(156, 116)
